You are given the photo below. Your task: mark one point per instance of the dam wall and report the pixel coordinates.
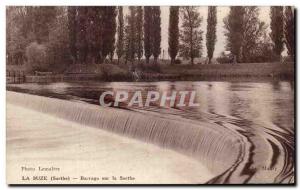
(215, 147)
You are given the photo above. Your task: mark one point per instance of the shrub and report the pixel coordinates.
(177, 61)
(36, 57)
(152, 67)
(224, 59)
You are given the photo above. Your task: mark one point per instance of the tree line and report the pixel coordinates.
(86, 35)
(247, 38)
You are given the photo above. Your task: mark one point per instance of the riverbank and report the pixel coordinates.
(244, 70)
(88, 155)
(112, 72)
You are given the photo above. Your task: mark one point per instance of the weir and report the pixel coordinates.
(218, 149)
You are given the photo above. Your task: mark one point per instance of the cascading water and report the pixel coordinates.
(243, 132)
(219, 149)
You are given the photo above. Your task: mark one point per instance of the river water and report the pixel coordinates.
(260, 112)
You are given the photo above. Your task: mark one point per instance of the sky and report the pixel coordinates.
(221, 39)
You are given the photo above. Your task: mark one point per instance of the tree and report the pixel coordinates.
(108, 17)
(58, 43)
(16, 36)
(132, 33)
(81, 41)
(36, 57)
(289, 30)
(156, 32)
(244, 32)
(120, 31)
(42, 20)
(173, 33)
(139, 32)
(94, 33)
(211, 36)
(191, 34)
(127, 39)
(72, 32)
(234, 25)
(148, 32)
(253, 33)
(276, 25)
(26, 25)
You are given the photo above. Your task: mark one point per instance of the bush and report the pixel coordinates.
(36, 57)
(152, 67)
(177, 61)
(224, 60)
(113, 72)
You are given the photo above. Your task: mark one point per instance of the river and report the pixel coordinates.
(262, 113)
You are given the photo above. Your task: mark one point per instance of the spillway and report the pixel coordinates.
(223, 149)
(204, 142)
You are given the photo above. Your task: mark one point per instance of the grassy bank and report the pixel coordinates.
(122, 72)
(274, 70)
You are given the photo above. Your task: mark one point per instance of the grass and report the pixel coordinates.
(114, 72)
(232, 70)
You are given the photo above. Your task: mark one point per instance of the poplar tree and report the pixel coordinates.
(94, 33)
(139, 33)
(276, 25)
(173, 33)
(156, 32)
(289, 30)
(211, 36)
(81, 41)
(126, 39)
(120, 31)
(234, 25)
(148, 32)
(132, 33)
(108, 31)
(72, 32)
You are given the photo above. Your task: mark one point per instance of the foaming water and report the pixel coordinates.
(204, 142)
(242, 131)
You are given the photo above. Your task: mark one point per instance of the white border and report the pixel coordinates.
(4, 3)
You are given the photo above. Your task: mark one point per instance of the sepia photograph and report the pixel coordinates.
(150, 95)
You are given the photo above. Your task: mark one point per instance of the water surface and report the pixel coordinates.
(260, 112)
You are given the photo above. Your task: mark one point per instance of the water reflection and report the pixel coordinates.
(262, 113)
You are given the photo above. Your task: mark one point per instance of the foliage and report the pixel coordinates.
(289, 30)
(71, 29)
(233, 24)
(177, 61)
(132, 33)
(254, 32)
(81, 38)
(139, 32)
(57, 45)
(276, 25)
(108, 26)
(147, 32)
(120, 33)
(23, 28)
(244, 32)
(36, 55)
(191, 34)
(211, 36)
(224, 59)
(173, 33)
(127, 39)
(156, 32)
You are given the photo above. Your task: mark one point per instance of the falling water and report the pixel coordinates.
(205, 142)
(243, 132)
